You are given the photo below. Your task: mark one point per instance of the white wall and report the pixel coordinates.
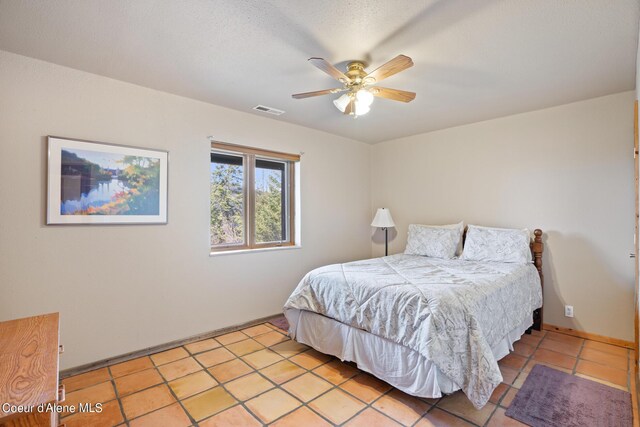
(123, 288)
(567, 170)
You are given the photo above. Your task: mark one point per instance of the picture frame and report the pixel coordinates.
(91, 182)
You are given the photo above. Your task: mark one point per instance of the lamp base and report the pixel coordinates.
(386, 241)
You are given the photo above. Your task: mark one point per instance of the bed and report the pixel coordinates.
(427, 326)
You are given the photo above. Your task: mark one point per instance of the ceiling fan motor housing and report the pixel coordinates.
(355, 71)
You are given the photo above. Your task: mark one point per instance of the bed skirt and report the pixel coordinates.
(400, 366)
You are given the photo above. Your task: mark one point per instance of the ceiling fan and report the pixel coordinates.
(358, 84)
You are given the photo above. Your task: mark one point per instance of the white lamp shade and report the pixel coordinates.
(364, 97)
(361, 109)
(342, 102)
(383, 219)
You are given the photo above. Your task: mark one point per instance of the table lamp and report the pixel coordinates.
(383, 220)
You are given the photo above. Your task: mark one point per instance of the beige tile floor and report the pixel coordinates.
(258, 376)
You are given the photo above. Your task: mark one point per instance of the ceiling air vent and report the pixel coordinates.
(268, 110)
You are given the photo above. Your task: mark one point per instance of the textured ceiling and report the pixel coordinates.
(474, 60)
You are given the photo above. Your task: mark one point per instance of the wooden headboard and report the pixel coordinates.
(537, 247)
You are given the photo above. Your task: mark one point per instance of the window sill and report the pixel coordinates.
(249, 251)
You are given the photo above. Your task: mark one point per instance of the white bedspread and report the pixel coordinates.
(450, 311)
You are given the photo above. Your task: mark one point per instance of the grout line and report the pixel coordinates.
(66, 415)
(219, 384)
(497, 405)
(367, 405)
(115, 389)
(303, 404)
(223, 385)
(174, 394)
(455, 415)
(111, 380)
(575, 366)
(333, 386)
(383, 414)
(162, 382)
(339, 388)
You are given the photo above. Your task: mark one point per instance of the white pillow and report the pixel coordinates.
(459, 226)
(435, 242)
(497, 244)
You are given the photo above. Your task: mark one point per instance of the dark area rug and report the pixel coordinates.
(281, 323)
(552, 398)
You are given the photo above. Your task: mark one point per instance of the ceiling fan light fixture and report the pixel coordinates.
(342, 102)
(364, 97)
(361, 108)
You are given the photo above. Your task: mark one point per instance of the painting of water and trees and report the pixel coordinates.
(97, 183)
(111, 182)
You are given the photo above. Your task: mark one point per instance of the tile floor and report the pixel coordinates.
(258, 376)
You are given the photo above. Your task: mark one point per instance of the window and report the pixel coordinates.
(252, 198)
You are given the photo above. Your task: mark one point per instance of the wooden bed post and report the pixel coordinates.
(537, 248)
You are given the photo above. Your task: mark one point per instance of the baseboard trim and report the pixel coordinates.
(589, 336)
(161, 347)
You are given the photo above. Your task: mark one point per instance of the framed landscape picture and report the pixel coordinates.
(98, 183)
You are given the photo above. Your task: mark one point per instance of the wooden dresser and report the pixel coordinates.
(29, 353)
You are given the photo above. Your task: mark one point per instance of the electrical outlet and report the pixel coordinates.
(568, 310)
